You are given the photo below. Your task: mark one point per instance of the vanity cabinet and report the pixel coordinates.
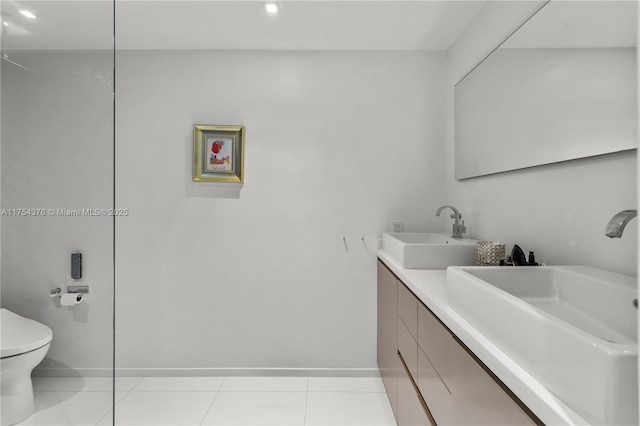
(388, 362)
(431, 377)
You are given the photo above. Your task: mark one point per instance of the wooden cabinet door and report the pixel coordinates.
(434, 392)
(388, 333)
(433, 339)
(408, 348)
(408, 309)
(411, 411)
(477, 398)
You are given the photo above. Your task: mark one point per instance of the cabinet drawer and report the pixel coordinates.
(478, 399)
(408, 309)
(411, 411)
(434, 392)
(434, 340)
(408, 348)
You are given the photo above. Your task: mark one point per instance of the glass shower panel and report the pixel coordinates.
(56, 194)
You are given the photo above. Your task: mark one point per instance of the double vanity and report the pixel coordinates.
(469, 345)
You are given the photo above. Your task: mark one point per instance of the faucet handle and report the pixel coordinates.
(459, 229)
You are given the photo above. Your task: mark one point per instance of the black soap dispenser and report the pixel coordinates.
(517, 256)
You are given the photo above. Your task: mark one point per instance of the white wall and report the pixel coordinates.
(57, 153)
(336, 144)
(559, 211)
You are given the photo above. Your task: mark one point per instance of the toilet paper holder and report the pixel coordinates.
(76, 289)
(84, 289)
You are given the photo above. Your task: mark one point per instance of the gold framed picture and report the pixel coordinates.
(218, 153)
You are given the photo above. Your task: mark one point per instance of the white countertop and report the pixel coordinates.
(429, 285)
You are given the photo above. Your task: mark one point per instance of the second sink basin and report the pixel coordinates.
(573, 328)
(429, 250)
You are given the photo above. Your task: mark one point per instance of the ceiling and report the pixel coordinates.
(579, 24)
(238, 24)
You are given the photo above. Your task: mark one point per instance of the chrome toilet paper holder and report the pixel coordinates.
(76, 289)
(84, 289)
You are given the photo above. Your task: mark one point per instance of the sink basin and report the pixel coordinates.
(429, 251)
(573, 328)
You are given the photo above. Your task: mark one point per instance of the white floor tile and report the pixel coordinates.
(349, 408)
(162, 408)
(126, 383)
(186, 384)
(70, 408)
(265, 384)
(177, 401)
(346, 384)
(257, 408)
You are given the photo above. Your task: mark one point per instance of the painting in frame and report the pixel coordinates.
(218, 153)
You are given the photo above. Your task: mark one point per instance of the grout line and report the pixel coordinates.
(306, 402)
(114, 403)
(140, 379)
(212, 401)
(109, 413)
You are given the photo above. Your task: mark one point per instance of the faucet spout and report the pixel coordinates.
(616, 225)
(455, 214)
(458, 225)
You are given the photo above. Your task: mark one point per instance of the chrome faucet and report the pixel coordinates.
(458, 226)
(618, 222)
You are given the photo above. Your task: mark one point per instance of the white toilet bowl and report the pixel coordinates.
(23, 344)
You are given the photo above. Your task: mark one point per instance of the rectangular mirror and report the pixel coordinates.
(562, 87)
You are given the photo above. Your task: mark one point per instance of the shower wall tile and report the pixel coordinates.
(57, 155)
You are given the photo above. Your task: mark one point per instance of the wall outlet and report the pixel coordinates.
(397, 226)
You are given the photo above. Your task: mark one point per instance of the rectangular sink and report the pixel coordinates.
(573, 328)
(429, 250)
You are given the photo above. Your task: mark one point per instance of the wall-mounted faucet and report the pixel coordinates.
(458, 226)
(616, 225)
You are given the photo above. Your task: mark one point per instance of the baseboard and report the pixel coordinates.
(207, 372)
(72, 372)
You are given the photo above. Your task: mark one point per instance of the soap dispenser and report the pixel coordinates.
(517, 256)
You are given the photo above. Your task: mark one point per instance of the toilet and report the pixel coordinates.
(23, 344)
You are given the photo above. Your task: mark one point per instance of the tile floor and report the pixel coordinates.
(177, 401)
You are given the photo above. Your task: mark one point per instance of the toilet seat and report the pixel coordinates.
(20, 335)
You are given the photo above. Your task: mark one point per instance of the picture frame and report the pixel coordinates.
(218, 153)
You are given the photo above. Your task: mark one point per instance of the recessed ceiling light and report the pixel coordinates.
(272, 8)
(5, 23)
(28, 14)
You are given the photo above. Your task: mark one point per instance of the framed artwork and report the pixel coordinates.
(218, 153)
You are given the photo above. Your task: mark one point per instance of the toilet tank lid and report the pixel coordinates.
(19, 335)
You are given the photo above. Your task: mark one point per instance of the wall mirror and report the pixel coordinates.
(563, 86)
